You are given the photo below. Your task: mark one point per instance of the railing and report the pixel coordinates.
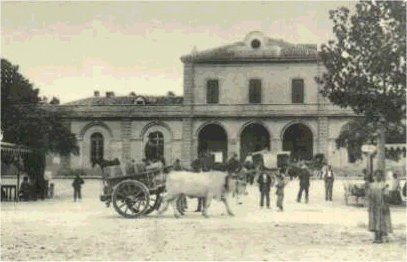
(8, 193)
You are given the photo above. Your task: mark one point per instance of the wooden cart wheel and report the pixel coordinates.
(154, 204)
(130, 198)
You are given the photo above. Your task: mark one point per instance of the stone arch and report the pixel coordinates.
(216, 122)
(212, 137)
(253, 136)
(155, 124)
(92, 124)
(293, 122)
(258, 122)
(298, 138)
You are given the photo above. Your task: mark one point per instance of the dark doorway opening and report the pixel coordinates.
(213, 138)
(299, 140)
(254, 137)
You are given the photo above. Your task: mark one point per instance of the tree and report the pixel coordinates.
(54, 101)
(170, 93)
(26, 120)
(366, 65)
(360, 131)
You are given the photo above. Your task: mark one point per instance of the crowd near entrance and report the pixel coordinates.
(298, 140)
(213, 138)
(254, 137)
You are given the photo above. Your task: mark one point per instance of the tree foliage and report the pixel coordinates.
(366, 69)
(366, 64)
(360, 131)
(26, 120)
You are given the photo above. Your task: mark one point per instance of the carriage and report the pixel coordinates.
(132, 194)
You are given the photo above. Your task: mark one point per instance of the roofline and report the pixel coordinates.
(298, 59)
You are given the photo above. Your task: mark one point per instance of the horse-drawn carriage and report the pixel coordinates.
(135, 194)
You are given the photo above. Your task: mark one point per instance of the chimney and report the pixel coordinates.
(109, 94)
(96, 93)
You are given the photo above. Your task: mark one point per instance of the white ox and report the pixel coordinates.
(209, 185)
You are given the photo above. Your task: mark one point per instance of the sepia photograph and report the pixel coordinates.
(203, 131)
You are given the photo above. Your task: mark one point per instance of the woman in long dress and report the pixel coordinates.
(379, 210)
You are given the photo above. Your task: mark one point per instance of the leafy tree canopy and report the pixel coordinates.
(366, 71)
(366, 64)
(25, 118)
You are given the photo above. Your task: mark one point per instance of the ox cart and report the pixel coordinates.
(133, 195)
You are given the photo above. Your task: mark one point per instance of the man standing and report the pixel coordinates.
(233, 165)
(265, 183)
(329, 182)
(77, 185)
(304, 177)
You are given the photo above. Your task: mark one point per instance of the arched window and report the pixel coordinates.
(96, 147)
(155, 146)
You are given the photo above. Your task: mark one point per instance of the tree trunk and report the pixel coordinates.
(381, 142)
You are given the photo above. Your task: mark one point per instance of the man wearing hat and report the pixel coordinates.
(304, 178)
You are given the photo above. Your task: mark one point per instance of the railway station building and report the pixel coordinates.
(254, 94)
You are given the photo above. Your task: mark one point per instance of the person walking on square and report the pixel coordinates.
(304, 177)
(329, 182)
(265, 182)
(25, 189)
(379, 210)
(281, 182)
(77, 186)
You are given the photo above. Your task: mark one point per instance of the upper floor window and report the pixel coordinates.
(96, 147)
(297, 91)
(212, 91)
(255, 91)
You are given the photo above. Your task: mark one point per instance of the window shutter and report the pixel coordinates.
(212, 92)
(298, 91)
(255, 91)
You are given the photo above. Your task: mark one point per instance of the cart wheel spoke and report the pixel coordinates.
(131, 198)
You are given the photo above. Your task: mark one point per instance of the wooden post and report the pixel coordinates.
(18, 179)
(381, 141)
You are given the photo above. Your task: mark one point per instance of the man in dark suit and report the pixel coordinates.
(265, 182)
(304, 177)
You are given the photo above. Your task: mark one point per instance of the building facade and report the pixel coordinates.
(255, 94)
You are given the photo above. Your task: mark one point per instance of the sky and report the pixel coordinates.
(71, 49)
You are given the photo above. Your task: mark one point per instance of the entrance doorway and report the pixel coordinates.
(254, 137)
(213, 138)
(299, 140)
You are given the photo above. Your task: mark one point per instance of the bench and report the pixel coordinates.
(8, 193)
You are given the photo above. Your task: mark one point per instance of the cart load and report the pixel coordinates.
(133, 194)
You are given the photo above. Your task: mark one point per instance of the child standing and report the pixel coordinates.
(281, 182)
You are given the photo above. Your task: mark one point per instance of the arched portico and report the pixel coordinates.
(253, 137)
(212, 137)
(299, 140)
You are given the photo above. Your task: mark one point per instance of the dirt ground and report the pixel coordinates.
(59, 229)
